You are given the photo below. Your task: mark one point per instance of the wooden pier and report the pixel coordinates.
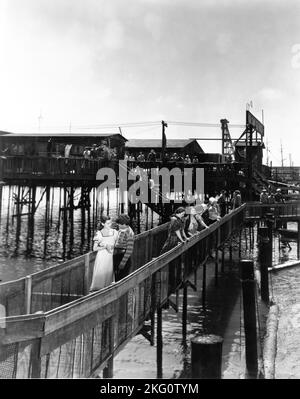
(48, 333)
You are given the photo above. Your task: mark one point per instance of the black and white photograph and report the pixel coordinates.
(149, 192)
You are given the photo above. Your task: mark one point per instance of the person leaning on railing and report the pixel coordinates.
(213, 211)
(176, 233)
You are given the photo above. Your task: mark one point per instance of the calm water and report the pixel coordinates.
(22, 253)
(221, 315)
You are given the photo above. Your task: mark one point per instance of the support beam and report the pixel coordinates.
(248, 288)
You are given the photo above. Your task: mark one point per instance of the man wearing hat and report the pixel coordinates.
(278, 196)
(264, 196)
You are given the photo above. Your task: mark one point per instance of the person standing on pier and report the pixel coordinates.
(176, 233)
(213, 211)
(236, 199)
(104, 242)
(123, 248)
(264, 198)
(200, 210)
(222, 203)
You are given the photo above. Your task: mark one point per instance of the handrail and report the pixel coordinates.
(119, 309)
(149, 268)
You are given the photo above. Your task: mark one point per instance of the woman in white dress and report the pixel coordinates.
(104, 242)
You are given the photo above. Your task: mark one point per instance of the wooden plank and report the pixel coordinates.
(69, 332)
(22, 328)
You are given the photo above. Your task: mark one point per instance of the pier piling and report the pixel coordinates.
(206, 356)
(265, 261)
(248, 289)
(159, 342)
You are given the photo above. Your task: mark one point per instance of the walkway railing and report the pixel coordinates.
(77, 167)
(76, 338)
(258, 210)
(63, 283)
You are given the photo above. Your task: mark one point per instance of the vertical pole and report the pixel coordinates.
(35, 359)
(223, 260)
(204, 284)
(216, 266)
(206, 357)
(159, 342)
(184, 313)
(240, 243)
(230, 252)
(86, 273)
(265, 261)
(28, 290)
(153, 304)
(138, 205)
(108, 371)
(71, 204)
(248, 288)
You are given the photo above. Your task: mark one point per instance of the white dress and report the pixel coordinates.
(103, 274)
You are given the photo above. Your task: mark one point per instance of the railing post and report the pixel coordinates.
(28, 291)
(206, 356)
(35, 359)
(204, 284)
(248, 288)
(159, 343)
(184, 312)
(86, 273)
(265, 261)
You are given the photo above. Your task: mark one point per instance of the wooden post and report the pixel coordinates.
(28, 290)
(216, 266)
(35, 359)
(204, 284)
(206, 356)
(153, 306)
(223, 260)
(86, 273)
(248, 288)
(108, 370)
(184, 312)
(159, 343)
(265, 261)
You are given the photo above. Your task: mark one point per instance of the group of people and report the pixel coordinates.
(114, 240)
(269, 197)
(152, 157)
(101, 151)
(187, 222)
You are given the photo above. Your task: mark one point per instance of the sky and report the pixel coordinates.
(74, 65)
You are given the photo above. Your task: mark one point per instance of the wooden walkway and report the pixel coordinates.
(54, 329)
(73, 338)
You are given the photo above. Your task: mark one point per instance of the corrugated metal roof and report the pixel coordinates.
(156, 143)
